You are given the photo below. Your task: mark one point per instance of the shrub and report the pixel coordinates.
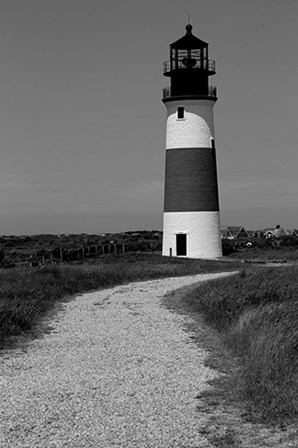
(7, 263)
(228, 247)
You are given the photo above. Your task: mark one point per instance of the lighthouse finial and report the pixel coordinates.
(188, 26)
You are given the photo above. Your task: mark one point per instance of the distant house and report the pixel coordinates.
(269, 233)
(259, 233)
(255, 233)
(276, 232)
(294, 232)
(225, 234)
(232, 233)
(235, 232)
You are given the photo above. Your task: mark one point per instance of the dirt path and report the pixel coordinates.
(118, 369)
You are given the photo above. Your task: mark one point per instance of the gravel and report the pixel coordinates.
(116, 370)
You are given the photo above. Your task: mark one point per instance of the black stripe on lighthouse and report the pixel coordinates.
(191, 180)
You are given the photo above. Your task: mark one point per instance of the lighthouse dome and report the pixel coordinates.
(188, 41)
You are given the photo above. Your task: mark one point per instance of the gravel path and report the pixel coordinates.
(117, 370)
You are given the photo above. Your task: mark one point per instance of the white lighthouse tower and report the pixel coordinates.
(191, 226)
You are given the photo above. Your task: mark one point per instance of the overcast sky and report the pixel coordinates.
(82, 124)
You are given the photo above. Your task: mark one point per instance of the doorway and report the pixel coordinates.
(181, 244)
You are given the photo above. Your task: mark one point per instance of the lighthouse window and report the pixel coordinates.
(180, 113)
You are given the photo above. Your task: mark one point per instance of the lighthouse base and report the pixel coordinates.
(191, 235)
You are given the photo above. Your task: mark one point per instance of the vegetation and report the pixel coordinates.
(26, 294)
(35, 250)
(282, 248)
(257, 314)
(43, 249)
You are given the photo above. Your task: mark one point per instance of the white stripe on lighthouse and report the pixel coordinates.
(195, 130)
(202, 230)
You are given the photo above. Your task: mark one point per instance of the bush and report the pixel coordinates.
(6, 263)
(289, 241)
(228, 247)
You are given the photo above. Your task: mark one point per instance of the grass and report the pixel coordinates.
(256, 313)
(267, 254)
(26, 295)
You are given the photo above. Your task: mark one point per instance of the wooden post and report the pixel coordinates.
(123, 248)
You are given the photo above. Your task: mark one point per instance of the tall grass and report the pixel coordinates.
(257, 314)
(27, 294)
(267, 253)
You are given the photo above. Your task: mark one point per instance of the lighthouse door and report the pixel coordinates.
(181, 244)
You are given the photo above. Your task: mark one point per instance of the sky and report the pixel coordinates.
(82, 124)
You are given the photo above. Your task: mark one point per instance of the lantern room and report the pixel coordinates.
(189, 68)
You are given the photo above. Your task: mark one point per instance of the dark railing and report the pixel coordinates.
(212, 91)
(206, 64)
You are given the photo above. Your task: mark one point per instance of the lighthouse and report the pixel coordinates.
(191, 226)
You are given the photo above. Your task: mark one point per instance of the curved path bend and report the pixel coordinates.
(117, 370)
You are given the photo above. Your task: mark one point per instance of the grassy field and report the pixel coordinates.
(267, 254)
(256, 313)
(27, 294)
(284, 248)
